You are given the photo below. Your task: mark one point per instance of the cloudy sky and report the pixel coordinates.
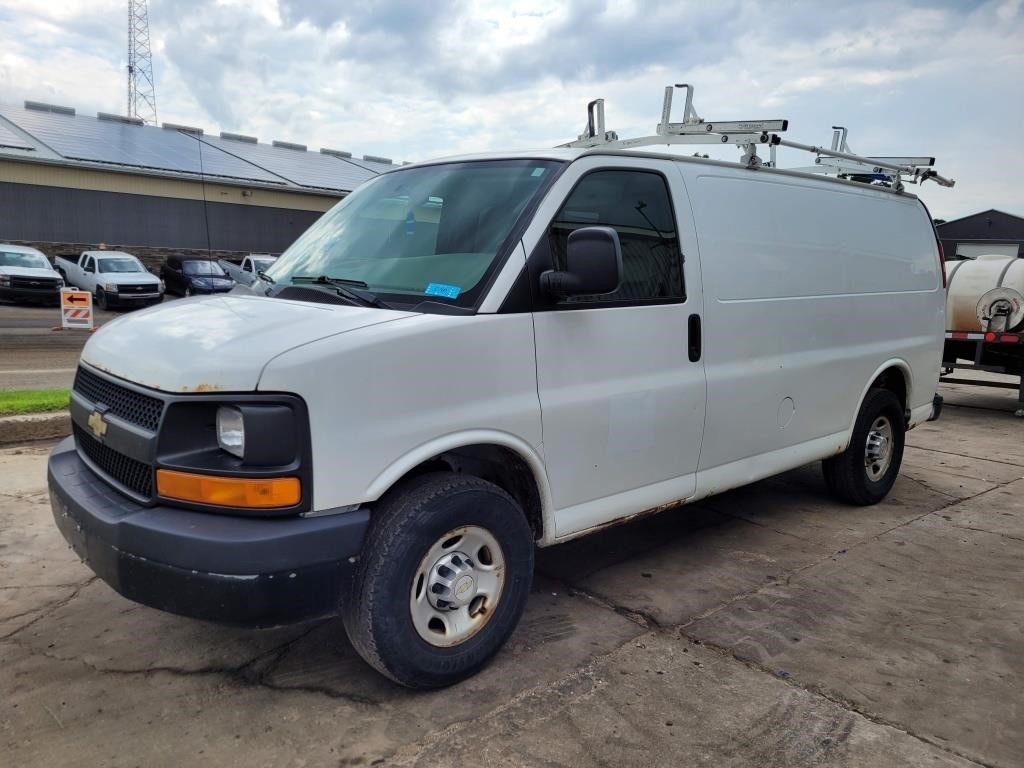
(414, 79)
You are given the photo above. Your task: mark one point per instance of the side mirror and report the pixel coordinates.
(593, 261)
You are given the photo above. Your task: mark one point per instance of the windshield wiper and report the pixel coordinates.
(265, 277)
(341, 287)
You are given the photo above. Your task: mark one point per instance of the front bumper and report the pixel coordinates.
(133, 299)
(233, 570)
(48, 296)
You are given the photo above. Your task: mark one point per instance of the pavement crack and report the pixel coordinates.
(834, 697)
(968, 456)
(50, 609)
(244, 674)
(993, 533)
(927, 487)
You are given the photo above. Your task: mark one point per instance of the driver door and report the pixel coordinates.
(622, 397)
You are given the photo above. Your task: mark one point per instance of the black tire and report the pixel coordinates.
(101, 298)
(404, 526)
(847, 475)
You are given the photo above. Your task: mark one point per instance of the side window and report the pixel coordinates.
(638, 206)
(88, 264)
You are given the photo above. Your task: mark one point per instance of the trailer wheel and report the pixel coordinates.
(442, 580)
(866, 471)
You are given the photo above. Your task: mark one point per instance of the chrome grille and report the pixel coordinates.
(34, 283)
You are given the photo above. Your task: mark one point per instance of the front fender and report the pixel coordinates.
(455, 440)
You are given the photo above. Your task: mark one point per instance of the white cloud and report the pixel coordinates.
(412, 80)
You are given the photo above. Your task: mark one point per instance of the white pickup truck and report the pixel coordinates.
(252, 266)
(114, 278)
(26, 275)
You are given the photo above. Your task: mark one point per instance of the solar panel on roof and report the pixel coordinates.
(371, 165)
(9, 138)
(307, 169)
(103, 141)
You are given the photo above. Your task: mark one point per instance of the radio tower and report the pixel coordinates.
(141, 90)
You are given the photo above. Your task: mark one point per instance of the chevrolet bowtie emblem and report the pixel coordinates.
(97, 424)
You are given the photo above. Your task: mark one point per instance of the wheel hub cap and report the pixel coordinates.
(458, 586)
(451, 584)
(878, 448)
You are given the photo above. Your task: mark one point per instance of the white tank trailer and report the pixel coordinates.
(985, 320)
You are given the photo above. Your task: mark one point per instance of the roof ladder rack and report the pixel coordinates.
(840, 161)
(692, 130)
(749, 135)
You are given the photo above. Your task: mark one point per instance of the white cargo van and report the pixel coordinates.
(469, 358)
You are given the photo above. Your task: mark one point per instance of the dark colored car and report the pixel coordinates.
(187, 276)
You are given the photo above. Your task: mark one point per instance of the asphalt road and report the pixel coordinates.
(32, 354)
(766, 627)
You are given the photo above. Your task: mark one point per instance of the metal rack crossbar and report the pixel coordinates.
(837, 160)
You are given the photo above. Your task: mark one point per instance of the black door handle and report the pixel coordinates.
(694, 338)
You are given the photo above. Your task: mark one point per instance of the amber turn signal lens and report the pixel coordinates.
(263, 492)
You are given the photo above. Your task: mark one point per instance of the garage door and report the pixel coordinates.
(972, 250)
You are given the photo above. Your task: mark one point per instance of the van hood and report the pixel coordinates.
(29, 272)
(217, 343)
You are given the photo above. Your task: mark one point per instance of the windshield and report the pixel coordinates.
(262, 265)
(420, 234)
(28, 260)
(211, 268)
(119, 265)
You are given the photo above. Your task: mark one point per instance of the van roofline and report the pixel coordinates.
(569, 155)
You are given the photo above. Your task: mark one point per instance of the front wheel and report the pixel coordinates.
(866, 471)
(101, 298)
(442, 581)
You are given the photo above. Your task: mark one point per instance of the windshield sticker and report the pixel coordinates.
(537, 172)
(410, 224)
(443, 289)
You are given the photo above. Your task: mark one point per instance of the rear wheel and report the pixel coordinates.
(866, 471)
(442, 581)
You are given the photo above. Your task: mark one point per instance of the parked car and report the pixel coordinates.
(258, 262)
(186, 276)
(250, 269)
(115, 279)
(26, 275)
(467, 358)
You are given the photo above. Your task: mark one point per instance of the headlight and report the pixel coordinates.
(162, 286)
(60, 283)
(5, 281)
(110, 287)
(231, 431)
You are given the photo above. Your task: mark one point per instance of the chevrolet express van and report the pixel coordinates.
(466, 359)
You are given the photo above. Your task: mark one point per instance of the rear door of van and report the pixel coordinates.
(811, 288)
(620, 378)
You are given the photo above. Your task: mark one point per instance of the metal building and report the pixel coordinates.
(69, 182)
(989, 231)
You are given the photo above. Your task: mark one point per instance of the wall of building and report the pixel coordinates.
(59, 220)
(980, 229)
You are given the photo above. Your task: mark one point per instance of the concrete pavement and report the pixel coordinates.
(768, 626)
